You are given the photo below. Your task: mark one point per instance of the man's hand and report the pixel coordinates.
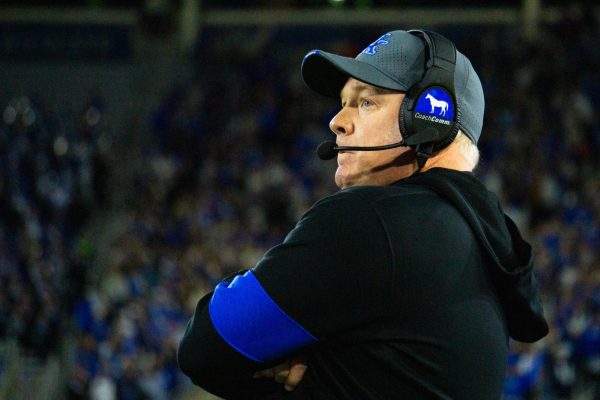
(290, 373)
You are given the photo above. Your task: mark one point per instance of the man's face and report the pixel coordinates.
(369, 117)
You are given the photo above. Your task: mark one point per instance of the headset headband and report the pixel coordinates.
(424, 126)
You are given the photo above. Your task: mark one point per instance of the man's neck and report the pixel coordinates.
(450, 157)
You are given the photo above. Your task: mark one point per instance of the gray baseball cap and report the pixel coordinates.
(395, 61)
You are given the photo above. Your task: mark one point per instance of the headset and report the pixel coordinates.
(429, 114)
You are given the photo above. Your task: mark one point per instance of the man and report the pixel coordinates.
(405, 284)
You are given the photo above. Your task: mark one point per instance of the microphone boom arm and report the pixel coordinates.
(370, 148)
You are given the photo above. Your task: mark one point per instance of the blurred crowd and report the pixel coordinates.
(52, 176)
(230, 167)
(541, 137)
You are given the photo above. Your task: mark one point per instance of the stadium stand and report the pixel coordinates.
(230, 166)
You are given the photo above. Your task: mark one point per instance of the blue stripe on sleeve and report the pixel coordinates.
(252, 323)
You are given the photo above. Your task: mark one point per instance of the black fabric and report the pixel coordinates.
(399, 284)
(511, 258)
(212, 364)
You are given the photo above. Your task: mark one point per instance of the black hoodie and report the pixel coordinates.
(511, 258)
(408, 291)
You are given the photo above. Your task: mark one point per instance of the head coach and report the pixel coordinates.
(405, 284)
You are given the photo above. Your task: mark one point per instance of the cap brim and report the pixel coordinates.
(327, 73)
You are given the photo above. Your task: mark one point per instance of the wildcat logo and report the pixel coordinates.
(372, 48)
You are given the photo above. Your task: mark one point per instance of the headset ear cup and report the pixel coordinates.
(406, 116)
(402, 117)
(427, 115)
(451, 135)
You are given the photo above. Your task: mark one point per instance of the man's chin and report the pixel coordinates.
(344, 180)
(341, 180)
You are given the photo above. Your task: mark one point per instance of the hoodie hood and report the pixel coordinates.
(510, 258)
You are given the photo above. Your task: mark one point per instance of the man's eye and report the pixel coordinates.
(366, 103)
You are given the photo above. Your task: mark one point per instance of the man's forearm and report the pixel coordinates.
(213, 365)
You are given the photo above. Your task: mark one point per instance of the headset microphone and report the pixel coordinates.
(327, 150)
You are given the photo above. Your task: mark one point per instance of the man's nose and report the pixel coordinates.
(341, 123)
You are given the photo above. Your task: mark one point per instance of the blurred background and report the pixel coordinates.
(149, 147)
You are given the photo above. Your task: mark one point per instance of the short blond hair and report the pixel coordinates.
(468, 149)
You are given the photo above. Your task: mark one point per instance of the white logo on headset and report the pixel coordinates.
(435, 103)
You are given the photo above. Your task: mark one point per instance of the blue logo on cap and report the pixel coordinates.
(372, 49)
(436, 102)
